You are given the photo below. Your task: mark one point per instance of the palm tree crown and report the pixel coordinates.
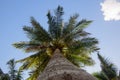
(69, 37)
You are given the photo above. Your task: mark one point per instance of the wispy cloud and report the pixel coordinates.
(111, 10)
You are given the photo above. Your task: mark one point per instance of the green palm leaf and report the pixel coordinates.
(37, 32)
(33, 60)
(31, 46)
(107, 67)
(76, 31)
(100, 76)
(39, 68)
(80, 60)
(70, 25)
(55, 23)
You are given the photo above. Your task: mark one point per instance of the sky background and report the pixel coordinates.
(14, 14)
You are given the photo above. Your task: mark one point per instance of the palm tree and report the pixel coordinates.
(108, 70)
(70, 38)
(13, 73)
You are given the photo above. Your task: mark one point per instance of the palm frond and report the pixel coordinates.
(86, 45)
(37, 32)
(31, 46)
(90, 44)
(100, 76)
(80, 34)
(80, 60)
(81, 25)
(38, 69)
(107, 67)
(19, 75)
(52, 25)
(67, 29)
(55, 23)
(33, 60)
(70, 25)
(77, 31)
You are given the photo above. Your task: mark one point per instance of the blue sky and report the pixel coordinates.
(14, 14)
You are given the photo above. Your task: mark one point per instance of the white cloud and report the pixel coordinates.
(111, 10)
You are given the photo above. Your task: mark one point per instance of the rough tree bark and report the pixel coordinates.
(59, 68)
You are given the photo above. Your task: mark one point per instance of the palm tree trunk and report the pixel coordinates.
(59, 68)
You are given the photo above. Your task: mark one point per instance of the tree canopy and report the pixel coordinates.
(69, 37)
